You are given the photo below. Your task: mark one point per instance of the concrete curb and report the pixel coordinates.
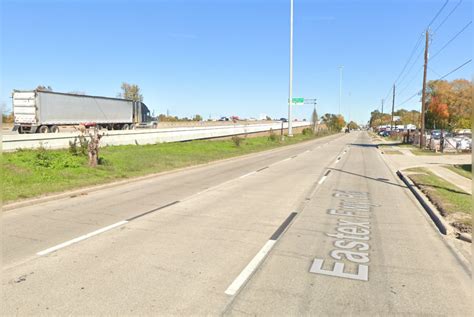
(88, 189)
(464, 237)
(438, 220)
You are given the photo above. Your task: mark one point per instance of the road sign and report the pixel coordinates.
(297, 101)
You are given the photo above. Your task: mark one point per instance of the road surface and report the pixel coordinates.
(322, 227)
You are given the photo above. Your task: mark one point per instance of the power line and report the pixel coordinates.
(411, 67)
(436, 73)
(437, 14)
(447, 17)
(417, 43)
(410, 81)
(457, 68)
(442, 77)
(410, 98)
(452, 39)
(411, 55)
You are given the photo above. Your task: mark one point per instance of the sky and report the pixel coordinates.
(231, 57)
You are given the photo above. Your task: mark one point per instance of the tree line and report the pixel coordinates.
(448, 106)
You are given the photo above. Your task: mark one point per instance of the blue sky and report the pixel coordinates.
(230, 57)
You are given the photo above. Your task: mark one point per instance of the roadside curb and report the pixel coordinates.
(91, 188)
(464, 237)
(431, 210)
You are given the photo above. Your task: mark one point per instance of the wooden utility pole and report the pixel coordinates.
(382, 106)
(393, 108)
(423, 93)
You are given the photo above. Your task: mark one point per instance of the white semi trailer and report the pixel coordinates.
(38, 111)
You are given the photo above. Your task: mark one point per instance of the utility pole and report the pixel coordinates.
(340, 87)
(382, 106)
(423, 92)
(290, 100)
(393, 108)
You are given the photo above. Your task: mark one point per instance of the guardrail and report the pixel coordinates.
(61, 140)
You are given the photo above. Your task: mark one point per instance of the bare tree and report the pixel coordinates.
(131, 92)
(44, 88)
(93, 148)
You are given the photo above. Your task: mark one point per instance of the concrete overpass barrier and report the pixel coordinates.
(152, 136)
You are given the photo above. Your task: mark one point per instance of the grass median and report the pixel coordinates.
(453, 203)
(463, 170)
(31, 173)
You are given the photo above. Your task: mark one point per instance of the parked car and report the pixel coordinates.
(224, 119)
(436, 134)
(284, 119)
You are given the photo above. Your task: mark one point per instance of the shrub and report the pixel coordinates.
(308, 131)
(272, 136)
(43, 158)
(73, 147)
(237, 140)
(66, 162)
(82, 149)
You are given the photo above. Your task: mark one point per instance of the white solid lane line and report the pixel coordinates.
(248, 174)
(250, 268)
(120, 223)
(322, 180)
(86, 236)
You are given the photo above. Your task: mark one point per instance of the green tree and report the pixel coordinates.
(352, 125)
(131, 92)
(333, 122)
(377, 118)
(197, 118)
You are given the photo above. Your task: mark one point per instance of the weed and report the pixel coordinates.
(237, 140)
(272, 136)
(82, 149)
(43, 158)
(308, 131)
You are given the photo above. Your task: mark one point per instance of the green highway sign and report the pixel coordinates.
(298, 100)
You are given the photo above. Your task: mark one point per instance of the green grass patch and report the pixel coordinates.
(417, 151)
(463, 170)
(30, 173)
(452, 202)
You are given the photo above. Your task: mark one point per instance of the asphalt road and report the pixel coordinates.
(273, 233)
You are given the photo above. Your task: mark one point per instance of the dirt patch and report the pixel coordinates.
(462, 227)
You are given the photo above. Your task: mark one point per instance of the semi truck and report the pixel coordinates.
(40, 111)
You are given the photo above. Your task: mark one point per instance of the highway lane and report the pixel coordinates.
(30, 229)
(178, 260)
(183, 259)
(362, 246)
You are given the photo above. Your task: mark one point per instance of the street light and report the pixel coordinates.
(290, 99)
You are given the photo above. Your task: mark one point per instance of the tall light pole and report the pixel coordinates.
(290, 99)
(340, 87)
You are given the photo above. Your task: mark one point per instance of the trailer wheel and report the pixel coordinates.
(155, 125)
(54, 129)
(125, 127)
(133, 126)
(43, 129)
